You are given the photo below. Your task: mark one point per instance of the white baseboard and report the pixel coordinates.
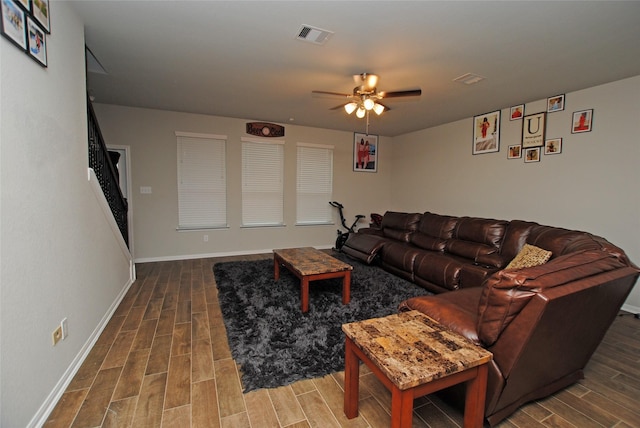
(630, 308)
(211, 255)
(54, 396)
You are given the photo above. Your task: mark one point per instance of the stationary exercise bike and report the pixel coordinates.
(343, 236)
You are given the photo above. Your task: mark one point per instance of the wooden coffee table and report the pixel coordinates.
(309, 264)
(413, 355)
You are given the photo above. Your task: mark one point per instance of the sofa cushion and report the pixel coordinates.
(561, 241)
(477, 238)
(529, 256)
(506, 292)
(363, 247)
(433, 231)
(399, 226)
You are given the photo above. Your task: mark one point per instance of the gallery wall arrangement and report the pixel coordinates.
(26, 23)
(534, 142)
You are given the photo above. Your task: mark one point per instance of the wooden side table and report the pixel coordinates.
(413, 355)
(309, 264)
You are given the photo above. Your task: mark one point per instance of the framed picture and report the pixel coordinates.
(515, 152)
(365, 152)
(24, 3)
(582, 121)
(13, 23)
(553, 146)
(516, 112)
(37, 42)
(555, 103)
(533, 127)
(532, 155)
(40, 11)
(486, 133)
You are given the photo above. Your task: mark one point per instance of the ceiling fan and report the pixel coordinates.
(366, 97)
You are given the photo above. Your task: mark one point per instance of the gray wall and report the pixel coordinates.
(592, 185)
(58, 254)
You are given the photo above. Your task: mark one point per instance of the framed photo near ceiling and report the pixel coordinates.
(553, 146)
(555, 103)
(13, 23)
(533, 129)
(582, 121)
(40, 11)
(486, 133)
(365, 152)
(516, 112)
(37, 42)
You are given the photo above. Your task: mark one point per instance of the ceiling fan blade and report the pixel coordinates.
(396, 94)
(341, 106)
(337, 94)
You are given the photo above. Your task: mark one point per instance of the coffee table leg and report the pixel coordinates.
(346, 287)
(276, 268)
(304, 285)
(351, 380)
(475, 399)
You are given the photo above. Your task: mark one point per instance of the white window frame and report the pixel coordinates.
(202, 181)
(262, 182)
(314, 184)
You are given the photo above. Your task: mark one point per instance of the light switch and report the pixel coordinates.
(145, 190)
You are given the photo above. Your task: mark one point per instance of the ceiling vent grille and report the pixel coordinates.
(469, 79)
(313, 35)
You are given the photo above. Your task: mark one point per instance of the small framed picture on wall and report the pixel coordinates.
(515, 152)
(555, 103)
(486, 133)
(582, 121)
(553, 146)
(365, 152)
(532, 155)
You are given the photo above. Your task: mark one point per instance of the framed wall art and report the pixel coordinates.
(555, 103)
(533, 127)
(582, 121)
(486, 133)
(532, 155)
(40, 11)
(37, 42)
(365, 152)
(516, 112)
(13, 23)
(553, 146)
(515, 152)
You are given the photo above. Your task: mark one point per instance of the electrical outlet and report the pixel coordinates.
(205, 238)
(65, 328)
(56, 336)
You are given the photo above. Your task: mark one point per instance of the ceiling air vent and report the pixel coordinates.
(469, 79)
(314, 35)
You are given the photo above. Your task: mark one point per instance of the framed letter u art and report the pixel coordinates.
(365, 152)
(533, 127)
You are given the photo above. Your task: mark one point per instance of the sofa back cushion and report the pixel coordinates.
(506, 292)
(433, 231)
(561, 241)
(477, 239)
(399, 226)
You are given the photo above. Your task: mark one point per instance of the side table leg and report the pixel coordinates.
(401, 408)
(475, 399)
(304, 285)
(351, 380)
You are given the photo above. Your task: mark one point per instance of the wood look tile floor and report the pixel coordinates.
(163, 361)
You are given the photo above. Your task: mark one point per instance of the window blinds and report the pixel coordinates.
(315, 184)
(262, 183)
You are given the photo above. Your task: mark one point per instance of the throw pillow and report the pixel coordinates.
(529, 256)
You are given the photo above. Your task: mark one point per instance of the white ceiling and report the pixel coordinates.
(242, 59)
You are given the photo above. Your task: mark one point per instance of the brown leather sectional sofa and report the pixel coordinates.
(541, 323)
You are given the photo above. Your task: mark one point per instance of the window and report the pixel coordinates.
(202, 181)
(315, 184)
(262, 182)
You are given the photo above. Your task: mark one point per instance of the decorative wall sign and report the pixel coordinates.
(264, 129)
(486, 133)
(365, 152)
(13, 23)
(582, 121)
(533, 128)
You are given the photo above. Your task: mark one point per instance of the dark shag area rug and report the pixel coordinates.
(274, 343)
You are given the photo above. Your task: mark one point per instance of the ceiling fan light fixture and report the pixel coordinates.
(350, 107)
(360, 112)
(368, 104)
(378, 108)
